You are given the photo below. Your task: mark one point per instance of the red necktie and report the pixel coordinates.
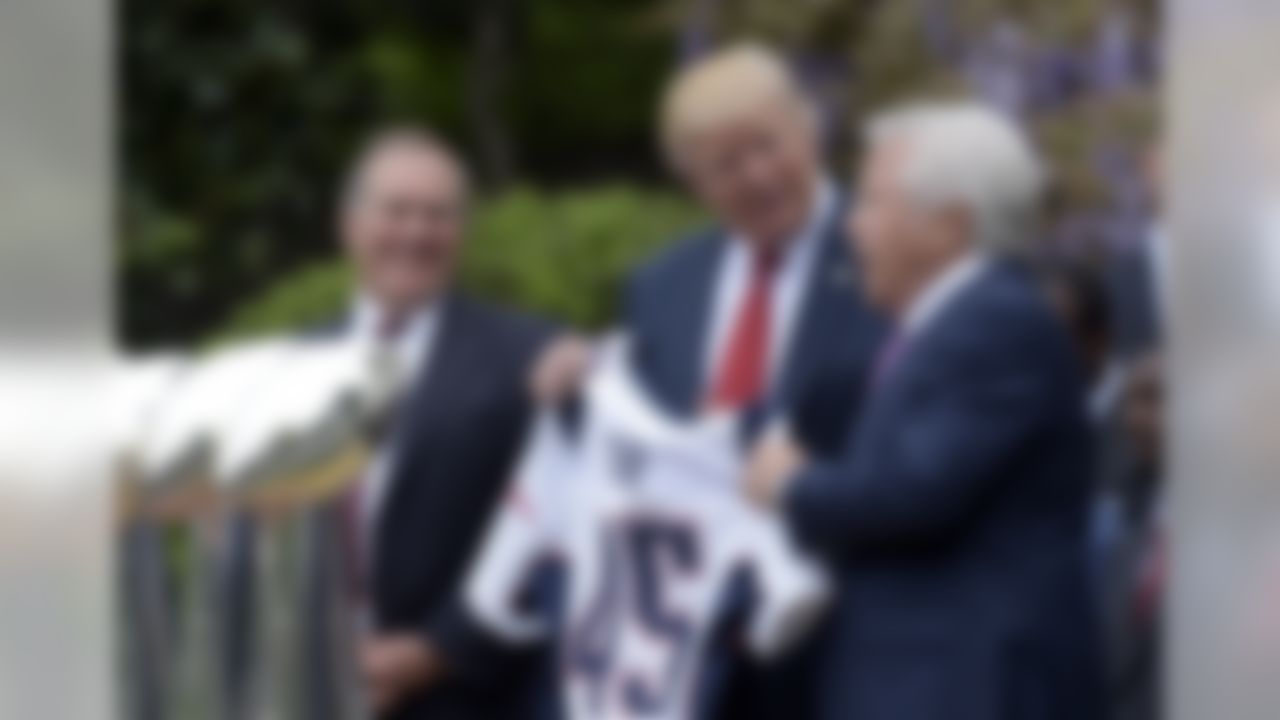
(740, 377)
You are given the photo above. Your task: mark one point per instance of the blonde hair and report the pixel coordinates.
(723, 86)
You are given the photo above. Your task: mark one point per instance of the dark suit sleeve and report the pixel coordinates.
(469, 651)
(922, 478)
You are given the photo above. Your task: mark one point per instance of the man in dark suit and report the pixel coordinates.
(752, 313)
(956, 518)
(1139, 276)
(418, 511)
(1134, 285)
(1132, 549)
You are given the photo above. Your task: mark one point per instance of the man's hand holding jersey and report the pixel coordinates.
(560, 369)
(774, 462)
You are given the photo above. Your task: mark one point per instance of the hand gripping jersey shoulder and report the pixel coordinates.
(646, 514)
(524, 532)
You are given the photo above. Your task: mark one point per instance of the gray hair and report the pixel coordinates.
(401, 138)
(969, 154)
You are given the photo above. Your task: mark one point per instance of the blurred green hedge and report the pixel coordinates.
(560, 254)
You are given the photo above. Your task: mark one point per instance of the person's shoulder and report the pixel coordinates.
(1008, 290)
(500, 325)
(1008, 313)
(691, 250)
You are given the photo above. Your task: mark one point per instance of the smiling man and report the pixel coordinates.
(758, 310)
(746, 313)
(418, 510)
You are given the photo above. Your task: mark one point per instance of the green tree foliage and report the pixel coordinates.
(239, 116)
(561, 254)
(565, 254)
(232, 130)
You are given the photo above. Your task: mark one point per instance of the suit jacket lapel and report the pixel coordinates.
(919, 348)
(831, 283)
(424, 404)
(687, 326)
(445, 362)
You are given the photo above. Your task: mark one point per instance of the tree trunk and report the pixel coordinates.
(488, 72)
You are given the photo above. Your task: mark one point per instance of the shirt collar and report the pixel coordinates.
(942, 289)
(366, 314)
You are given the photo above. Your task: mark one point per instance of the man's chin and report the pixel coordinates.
(783, 227)
(409, 295)
(773, 234)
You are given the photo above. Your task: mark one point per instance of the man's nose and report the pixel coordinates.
(762, 174)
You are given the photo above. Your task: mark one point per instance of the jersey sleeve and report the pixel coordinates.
(792, 591)
(522, 536)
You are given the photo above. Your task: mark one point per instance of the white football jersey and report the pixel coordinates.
(646, 515)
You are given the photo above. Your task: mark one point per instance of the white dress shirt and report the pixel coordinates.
(940, 291)
(790, 282)
(411, 350)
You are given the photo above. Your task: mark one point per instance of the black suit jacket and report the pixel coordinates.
(957, 522)
(1138, 325)
(454, 443)
(454, 440)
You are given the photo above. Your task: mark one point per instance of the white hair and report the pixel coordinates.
(968, 154)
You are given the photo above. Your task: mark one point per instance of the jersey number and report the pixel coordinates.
(641, 557)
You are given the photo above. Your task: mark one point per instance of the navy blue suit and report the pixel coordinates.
(668, 312)
(957, 522)
(1138, 325)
